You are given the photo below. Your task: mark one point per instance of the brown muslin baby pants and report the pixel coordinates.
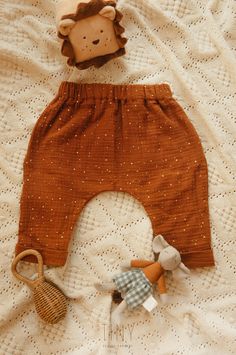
(103, 137)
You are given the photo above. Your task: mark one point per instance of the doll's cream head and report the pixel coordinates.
(169, 257)
(91, 32)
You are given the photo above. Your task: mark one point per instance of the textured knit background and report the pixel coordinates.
(191, 46)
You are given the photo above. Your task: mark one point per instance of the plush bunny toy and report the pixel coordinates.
(136, 285)
(91, 31)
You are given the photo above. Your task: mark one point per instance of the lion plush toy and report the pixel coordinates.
(91, 32)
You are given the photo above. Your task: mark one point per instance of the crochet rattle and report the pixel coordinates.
(50, 302)
(136, 285)
(91, 32)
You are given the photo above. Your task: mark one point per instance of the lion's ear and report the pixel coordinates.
(108, 12)
(65, 26)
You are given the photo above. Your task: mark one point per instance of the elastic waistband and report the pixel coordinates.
(110, 91)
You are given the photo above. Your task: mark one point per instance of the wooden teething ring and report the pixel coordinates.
(30, 283)
(50, 302)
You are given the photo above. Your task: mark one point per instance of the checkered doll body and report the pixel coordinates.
(134, 287)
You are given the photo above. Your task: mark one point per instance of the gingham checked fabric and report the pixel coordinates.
(135, 285)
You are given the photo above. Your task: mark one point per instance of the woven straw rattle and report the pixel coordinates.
(50, 302)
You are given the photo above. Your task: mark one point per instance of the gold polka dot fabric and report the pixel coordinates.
(102, 137)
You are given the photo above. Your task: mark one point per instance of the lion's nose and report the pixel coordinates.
(96, 42)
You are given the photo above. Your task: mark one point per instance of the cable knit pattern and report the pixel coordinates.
(190, 46)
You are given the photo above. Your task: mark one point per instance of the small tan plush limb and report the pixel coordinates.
(140, 263)
(161, 284)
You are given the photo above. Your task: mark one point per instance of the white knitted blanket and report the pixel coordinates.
(190, 45)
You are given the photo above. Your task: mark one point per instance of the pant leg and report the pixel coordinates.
(163, 165)
(47, 204)
(69, 160)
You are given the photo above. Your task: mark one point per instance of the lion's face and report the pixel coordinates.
(93, 37)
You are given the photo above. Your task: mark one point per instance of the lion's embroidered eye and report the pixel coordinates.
(101, 31)
(84, 37)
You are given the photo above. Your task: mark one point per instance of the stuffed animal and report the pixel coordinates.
(136, 285)
(91, 32)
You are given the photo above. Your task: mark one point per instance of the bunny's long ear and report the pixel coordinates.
(65, 26)
(159, 244)
(181, 271)
(108, 12)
